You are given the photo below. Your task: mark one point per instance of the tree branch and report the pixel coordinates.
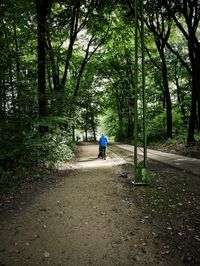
(179, 57)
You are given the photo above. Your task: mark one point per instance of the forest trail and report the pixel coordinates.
(83, 215)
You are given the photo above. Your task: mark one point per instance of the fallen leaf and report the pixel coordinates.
(166, 247)
(180, 233)
(129, 236)
(167, 252)
(46, 254)
(154, 234)
(197, 238)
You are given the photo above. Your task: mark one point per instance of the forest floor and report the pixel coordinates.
(90, 213)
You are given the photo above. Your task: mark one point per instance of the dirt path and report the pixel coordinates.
(83, 215)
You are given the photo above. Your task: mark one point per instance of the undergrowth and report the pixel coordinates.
(178, 145)
(29, 156)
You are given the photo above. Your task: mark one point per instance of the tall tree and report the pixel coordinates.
(42, 11)
(189, 11)
(159, 25)
(70, 18)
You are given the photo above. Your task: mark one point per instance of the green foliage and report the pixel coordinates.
(26, 153)
(110, 125)
(101, 85)
(178, 126)
(50, 148)
(156, 128)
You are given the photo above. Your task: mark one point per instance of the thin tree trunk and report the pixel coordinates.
(190, 137)
(166, 94)
(10, 75)
(11, 85)
(55, 74)
(86, 135)
(17, 67)
(93, 125)
(194, 53)
(73, 34)
(3, 99)
(197, 73)
(180, 98)
(73, 133)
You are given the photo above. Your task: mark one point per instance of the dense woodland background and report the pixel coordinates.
(66, 64)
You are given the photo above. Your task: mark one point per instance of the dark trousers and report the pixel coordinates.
(103, 151)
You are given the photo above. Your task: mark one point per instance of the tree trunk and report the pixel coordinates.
(42, 7)
(94, 134)
(18, 86)
(190, 137)
(10, 71)
(86, 135)
(2, 99)
(55, 75)
(198, 112)
(73, 34)
(197, 73)
(93, 124)
(73, 133)
(180, 98)
(119, 110)
(194, 53)
(166, 94)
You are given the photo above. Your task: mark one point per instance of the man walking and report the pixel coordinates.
(103, 143)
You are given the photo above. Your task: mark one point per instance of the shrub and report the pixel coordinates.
(27, 154)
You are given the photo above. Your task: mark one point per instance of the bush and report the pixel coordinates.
(27, 154)
(156, 128)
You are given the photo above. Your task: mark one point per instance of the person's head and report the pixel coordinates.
(102, 134)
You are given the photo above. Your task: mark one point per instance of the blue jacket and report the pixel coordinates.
(103, 142)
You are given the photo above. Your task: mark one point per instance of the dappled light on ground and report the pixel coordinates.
(91, 214)
(88, 160)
